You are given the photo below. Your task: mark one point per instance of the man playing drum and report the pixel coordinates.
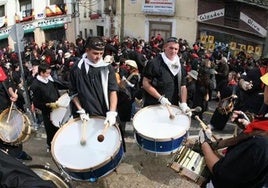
(93, 85)
(8, 95)
(245, 163)
(165, 79)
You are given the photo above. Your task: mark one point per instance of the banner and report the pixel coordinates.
(159, 7)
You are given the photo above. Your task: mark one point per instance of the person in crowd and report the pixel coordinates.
(44, 96)
(222, 70)
(128, 88)
(227, 92)
(251, 88)
(8, 95)
(245, 163)
(191, 86)
(164, 78)
(93, 84)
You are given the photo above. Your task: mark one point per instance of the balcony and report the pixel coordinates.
(55, 10)
(25, 15)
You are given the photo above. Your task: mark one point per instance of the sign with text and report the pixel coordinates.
(159, 7)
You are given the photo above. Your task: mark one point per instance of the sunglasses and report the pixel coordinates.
(172, 39)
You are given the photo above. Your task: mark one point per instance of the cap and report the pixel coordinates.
(108, 59)
(193, 74)
(172, 39)
(67, 55)
(264, 79)
(131, 63)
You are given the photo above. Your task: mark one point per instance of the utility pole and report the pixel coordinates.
(122, 20)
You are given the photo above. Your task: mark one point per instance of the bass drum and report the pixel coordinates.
(49, 174)
(156, 133)
(16, 129)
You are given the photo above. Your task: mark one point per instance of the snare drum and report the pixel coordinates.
(17, 129)
(190, 165)
(93, 160)
(61, 115)
(155, 132)
(48, 174)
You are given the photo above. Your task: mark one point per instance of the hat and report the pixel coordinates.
(264, 79)
(108, 59)
(193, 74)
(131, 63)
(67, 55)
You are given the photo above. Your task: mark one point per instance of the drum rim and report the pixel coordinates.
(158, 139)
(109, 159)
(24, 127)
(57, 174)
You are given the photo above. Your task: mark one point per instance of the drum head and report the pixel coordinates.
(49, 174)
(11, 130)
(68, 152)
(154, 122)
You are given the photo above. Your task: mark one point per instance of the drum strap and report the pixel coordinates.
(104, 81)
(179, 84)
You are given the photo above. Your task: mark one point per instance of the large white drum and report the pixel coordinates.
(94, 159)
(155, 132)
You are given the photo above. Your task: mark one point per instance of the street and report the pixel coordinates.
(138, 168)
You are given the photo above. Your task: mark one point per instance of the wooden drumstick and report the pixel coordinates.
(204, 126)
(101, 136)
(11, 106)
(171, 115)
(83, 134)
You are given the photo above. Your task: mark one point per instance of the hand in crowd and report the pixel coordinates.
(164, 101)
(185, 109)
(241, 118)
(110, 118)
(246, 85)
(83, 115)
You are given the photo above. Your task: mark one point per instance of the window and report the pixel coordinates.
(2, 11)
(54, 2)
(232, 14)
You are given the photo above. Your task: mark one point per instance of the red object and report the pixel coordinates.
(3, 75)
(257, 125)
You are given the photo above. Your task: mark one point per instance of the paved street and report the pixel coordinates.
(137, 168)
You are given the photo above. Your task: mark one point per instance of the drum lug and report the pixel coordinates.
(47, 166)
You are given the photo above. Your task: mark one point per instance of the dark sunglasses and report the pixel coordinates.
(172, 39)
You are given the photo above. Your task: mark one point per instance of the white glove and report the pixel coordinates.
(83, 115)
(185, 109)
(246, 85)
(110, 118)
(164, 101)
(205, 135)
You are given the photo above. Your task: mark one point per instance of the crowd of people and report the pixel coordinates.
(105, 77)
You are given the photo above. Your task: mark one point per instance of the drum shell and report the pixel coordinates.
(88, 172)
(158, 133)
(49, 174)
(22, 123)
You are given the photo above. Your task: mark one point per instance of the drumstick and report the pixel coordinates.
(204, 126)
(11, 106)
(83, 135)
(101, 136)
(171, 115)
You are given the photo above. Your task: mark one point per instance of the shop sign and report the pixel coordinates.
(253, 24)
(210, 15)
(159, 7)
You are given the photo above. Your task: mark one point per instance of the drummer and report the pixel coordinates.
(164, 79)
(8, 95)
(93, 84)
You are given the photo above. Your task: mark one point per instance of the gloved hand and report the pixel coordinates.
(164, 101)
(205, 135)
(83, 115)
(246, 85)
(52, 105)
(185, 109)
(110, 117)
